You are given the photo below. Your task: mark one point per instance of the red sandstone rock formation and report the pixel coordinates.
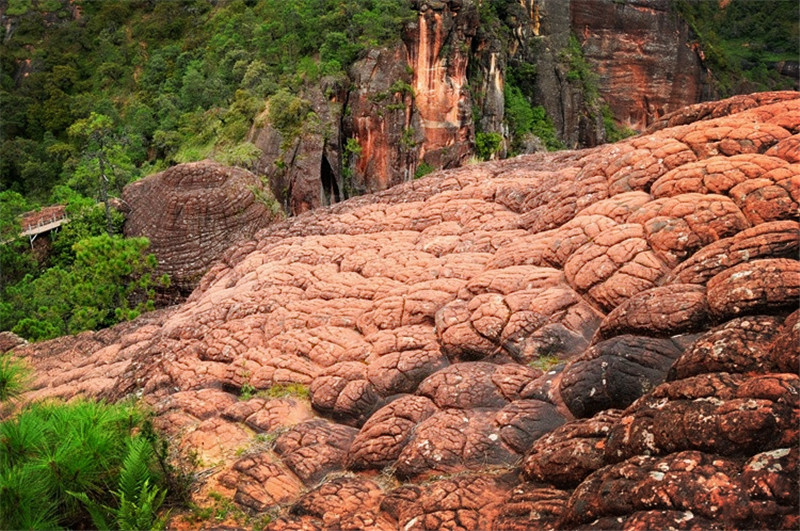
(438, 48)
(641, 54)
(383, 121)
(405, 105)
(411, 103)
(598, 339)
(414, 102)
(192, 212)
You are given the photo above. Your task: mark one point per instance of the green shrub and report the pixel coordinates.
(579, 70)
(614, 133)
(407, 139)
(487, 144)
(545, 362)
(423, 169)
(522, 118)
(16, 260)
(87, 219)
(18, 7)
(79, 465)
(247, 391)
(352, 148)
(287, 113)
(243, 155)
(137, 498)
(543, 127)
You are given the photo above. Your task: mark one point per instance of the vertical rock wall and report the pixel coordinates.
(542, 41)
(438, 49)
(640, 51)
(383, 121)
(413, 103)
(529, 37)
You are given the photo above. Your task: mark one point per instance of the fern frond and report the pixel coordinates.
(135, 470)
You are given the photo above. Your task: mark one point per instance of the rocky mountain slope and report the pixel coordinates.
(604, 339)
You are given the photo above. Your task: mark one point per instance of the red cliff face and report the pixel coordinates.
(407, 104)
(383, 121)
(640, 52)
(438, 47)
(411, 103)
(530, 39)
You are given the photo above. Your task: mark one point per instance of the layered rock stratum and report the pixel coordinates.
(596, 339)
(193, 212)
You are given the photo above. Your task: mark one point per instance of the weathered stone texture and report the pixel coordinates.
(192, 213)
(600, 339)
(652, 71)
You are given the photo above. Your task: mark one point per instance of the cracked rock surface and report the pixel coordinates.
(192, 212)
(600, 339)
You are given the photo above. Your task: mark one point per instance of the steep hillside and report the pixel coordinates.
(362, 95)
(604, 338)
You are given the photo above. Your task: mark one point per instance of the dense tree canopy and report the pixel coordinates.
(108, 281)
(174, 81)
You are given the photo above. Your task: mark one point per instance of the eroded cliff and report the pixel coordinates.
(642, 54)
(577, 74)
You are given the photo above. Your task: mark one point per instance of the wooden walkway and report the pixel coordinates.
(45, 227)
(41, 221)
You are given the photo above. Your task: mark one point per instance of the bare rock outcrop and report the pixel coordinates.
(654, 63)
(599, 339)
(192, 213)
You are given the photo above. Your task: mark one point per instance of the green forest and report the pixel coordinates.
(743, 42)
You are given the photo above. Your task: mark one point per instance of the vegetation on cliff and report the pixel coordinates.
(743, 42)
(177, 81)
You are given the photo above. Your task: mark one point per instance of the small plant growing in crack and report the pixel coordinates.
(247, 391)
(296, 390)
(545, 362)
